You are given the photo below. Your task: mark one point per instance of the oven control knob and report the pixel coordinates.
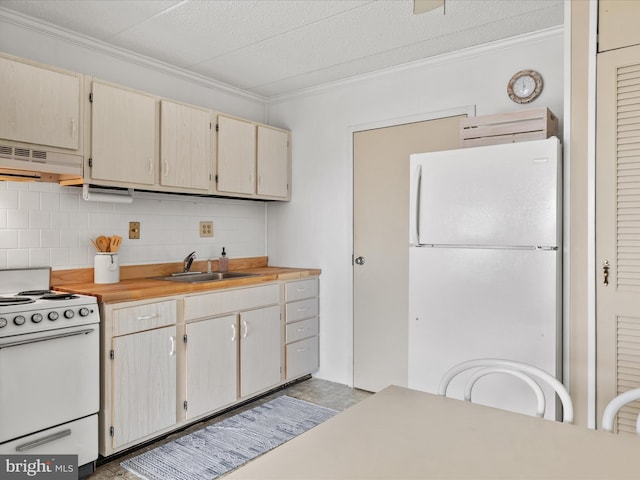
(36, 317)
(3, 322)
(84, 311)
(53, 316)
(19, 320)
(68, 314)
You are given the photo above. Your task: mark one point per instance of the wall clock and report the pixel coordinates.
(525, 86)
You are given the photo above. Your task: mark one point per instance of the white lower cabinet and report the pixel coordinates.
(233, 344)
(144, 372)
(302, 327)
(212, 364)
(138, 380)
(260, 350)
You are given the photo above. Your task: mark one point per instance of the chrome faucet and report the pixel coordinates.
(188, 261)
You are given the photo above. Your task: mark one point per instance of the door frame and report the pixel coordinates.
(469, 110)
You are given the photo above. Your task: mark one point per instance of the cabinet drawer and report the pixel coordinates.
(230, 301)
(300, 310)
(79, 437)
(302, 357)
(144, 317)
(303, 329)
(300, 290)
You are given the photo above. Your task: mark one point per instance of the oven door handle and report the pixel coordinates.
(50, 337)
(44, 440)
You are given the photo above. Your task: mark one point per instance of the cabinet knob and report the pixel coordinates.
(359, 261)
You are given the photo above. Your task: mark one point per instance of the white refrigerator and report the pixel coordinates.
(485, 264)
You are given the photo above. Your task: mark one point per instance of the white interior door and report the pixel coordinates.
(380, 238)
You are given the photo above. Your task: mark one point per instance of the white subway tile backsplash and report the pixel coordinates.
(39, 257)
(39, 219)
(60, 257)
(28, 200)
(9, 238)
(29, 238)
(8, 198)
(50, 201)
(50, 238)
(52, 225)
(17, 219)
(18, 258)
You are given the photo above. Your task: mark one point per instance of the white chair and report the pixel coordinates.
(612, 408)
(526, 373)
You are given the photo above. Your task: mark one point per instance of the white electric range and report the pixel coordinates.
(49, 369)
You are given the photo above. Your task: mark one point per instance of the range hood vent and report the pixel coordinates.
(28, 164)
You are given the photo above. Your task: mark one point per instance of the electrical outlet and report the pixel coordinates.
(206, 229)
(134, 230)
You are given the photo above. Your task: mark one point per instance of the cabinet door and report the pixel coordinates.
(185, 146)
(236, 156)
(123, 135)
(617, 24)
(144, 384)
(39, 106)
(273, 162)
(260, 349)
(212, 364)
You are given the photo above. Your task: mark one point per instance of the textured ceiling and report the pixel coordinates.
(274, 47)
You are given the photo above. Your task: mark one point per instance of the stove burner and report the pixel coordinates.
(34, 293)
(15, 300)
(58, 296)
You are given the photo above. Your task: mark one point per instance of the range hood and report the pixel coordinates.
(21, 164)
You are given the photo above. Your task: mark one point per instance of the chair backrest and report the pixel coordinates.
(527, 373)
(612, 408)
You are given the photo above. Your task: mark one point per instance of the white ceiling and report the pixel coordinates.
(274, 47)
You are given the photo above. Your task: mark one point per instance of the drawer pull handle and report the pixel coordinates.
(302, 309)
(172, 346)
(301, 349)
(44, 440)
(246, 329)
(233, 335)
(300, 289)
(301, 329)
(147, 317)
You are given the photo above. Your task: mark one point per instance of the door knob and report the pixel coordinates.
(359, 260)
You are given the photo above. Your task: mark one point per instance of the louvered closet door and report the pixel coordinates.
(618, 230)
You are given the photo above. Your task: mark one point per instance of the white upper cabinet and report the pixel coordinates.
(39, 105)
(253, 160)
(236, 156)
(123, 135)
(273, 162)
(185, 146)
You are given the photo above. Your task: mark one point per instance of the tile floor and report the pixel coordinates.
(320, 392)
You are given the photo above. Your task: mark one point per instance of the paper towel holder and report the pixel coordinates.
(93, 196)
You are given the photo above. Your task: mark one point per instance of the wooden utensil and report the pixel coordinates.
(103, 243)
(114, 245)
(95, 245)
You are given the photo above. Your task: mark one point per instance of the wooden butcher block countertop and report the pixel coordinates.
(137, 282)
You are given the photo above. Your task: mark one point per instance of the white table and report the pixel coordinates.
(400, 433)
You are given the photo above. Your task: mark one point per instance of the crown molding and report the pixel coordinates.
(458, 55)
(89, 43)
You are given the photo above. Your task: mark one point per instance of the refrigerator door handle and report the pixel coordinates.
(414, 227)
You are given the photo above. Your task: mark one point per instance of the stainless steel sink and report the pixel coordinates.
(203, 277)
